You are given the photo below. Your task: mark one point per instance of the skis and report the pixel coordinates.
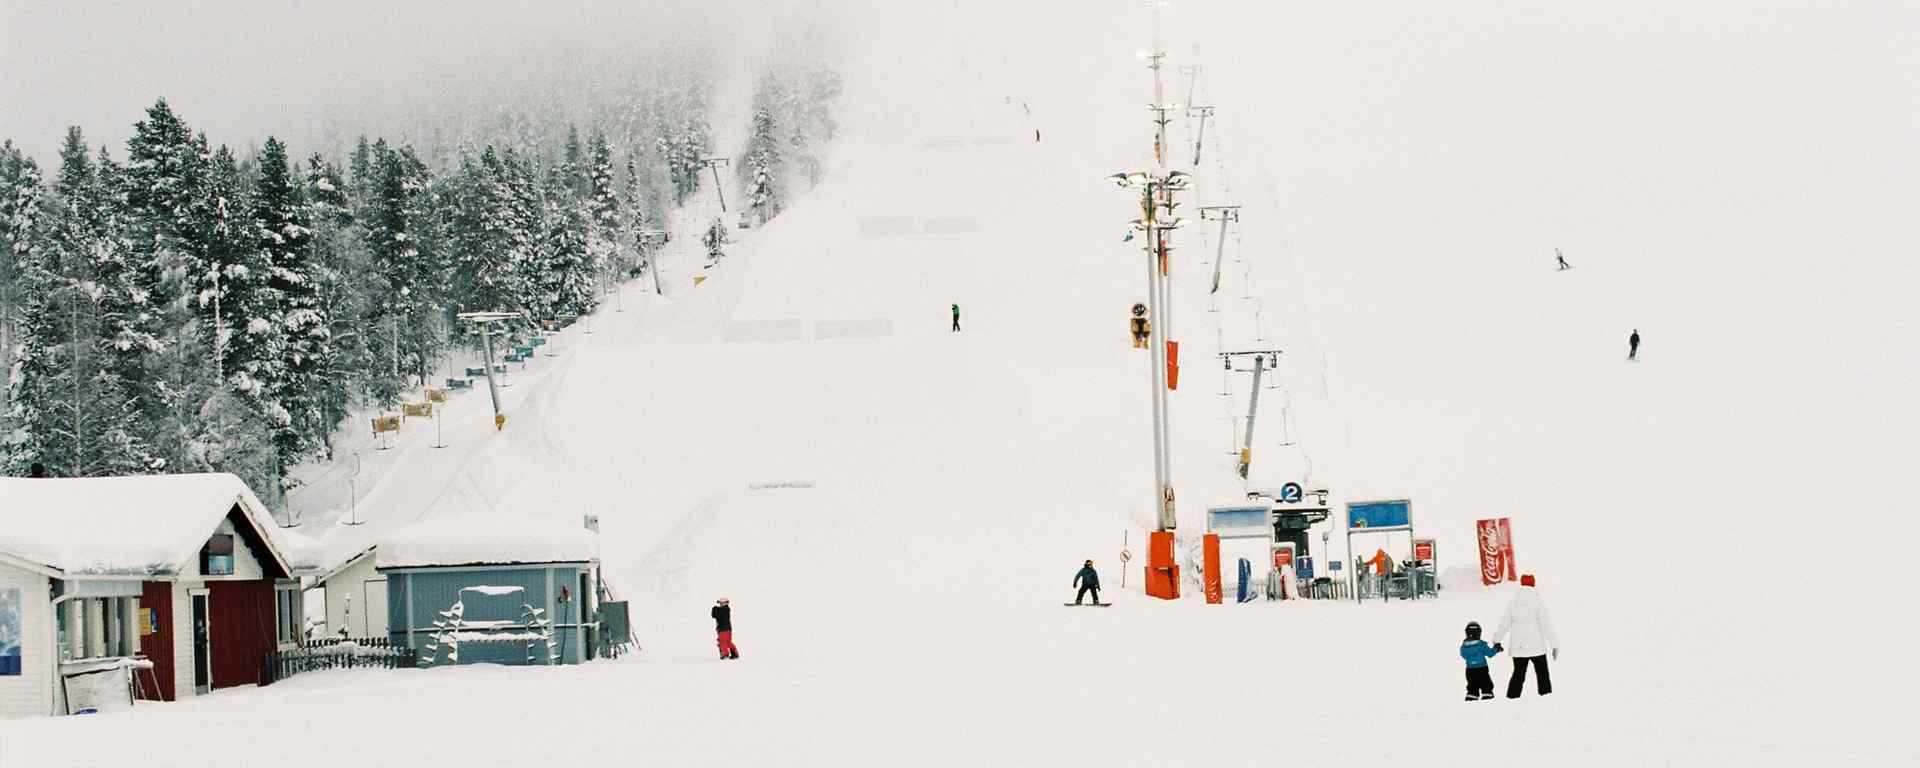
(1087, 605)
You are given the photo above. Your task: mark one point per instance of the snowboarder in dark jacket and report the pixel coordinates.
(723, 626)
(1633, 345)
(1476, 652)
(1088, 580)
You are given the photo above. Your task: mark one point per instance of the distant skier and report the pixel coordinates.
(1534, 640)
(956, 318)
(723, 627)
(1036, 135)
(1564, 266)
(1633, 345)
(1088, 580)
(1476, 652)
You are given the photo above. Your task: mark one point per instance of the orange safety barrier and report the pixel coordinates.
(1210, 549)
(1163, 577)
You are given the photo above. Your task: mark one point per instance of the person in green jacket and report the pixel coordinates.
(1088, 580)
(956, 318)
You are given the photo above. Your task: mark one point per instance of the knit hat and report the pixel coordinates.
(1526, 579)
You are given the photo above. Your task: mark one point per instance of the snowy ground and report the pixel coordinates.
(1707, 523)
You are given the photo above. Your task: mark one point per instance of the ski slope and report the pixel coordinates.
(1716, 526)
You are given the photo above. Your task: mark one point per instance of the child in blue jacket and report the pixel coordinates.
(1476, 652)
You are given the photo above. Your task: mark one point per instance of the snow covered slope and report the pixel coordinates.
(1708, 523)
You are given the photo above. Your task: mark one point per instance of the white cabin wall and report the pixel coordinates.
(30, 694)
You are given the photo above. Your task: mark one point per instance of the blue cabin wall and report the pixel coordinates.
(416, 597)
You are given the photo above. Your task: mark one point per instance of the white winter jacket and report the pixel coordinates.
(1532, 627)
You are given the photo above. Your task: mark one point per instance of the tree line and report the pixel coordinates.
(188, 307)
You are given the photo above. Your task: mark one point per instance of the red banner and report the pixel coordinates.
(1282, 558)
(1173, 365)
(1423, 549)
(1506, 547)
(1496, 550)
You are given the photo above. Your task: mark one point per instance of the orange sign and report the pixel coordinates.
(1173, 365)
(1282, 557)
(1423, 549)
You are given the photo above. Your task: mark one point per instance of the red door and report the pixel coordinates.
(241, 631)
(156, 597)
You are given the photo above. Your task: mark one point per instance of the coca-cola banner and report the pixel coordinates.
(1496, 550)
(1506, 548)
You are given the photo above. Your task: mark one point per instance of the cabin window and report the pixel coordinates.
(216, 559)
(287, 606)
(96, 627)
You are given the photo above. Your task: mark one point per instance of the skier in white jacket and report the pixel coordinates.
(1533, 640)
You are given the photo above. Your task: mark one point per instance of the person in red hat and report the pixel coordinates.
(1532, 640)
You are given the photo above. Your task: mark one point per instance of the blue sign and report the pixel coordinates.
(11, 636)
(1303, 567)
(1240, 521)
(1291, 493)
(1333, 566)
(1364, 515)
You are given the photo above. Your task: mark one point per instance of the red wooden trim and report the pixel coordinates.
(158, 647)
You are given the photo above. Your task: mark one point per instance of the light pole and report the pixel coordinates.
(1156, 189)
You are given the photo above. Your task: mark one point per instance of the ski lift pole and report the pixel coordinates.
(654, 238)
(713, 164)
(1253, 410)
(484, 321)
(1202, 112)
(493, 389)
(1224, 213)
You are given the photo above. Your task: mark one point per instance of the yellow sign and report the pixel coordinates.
(698, 279)
(386, 424)
(418, 410)
(146, 621)
(436, 395)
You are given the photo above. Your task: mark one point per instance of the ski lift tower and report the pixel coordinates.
(1223, 214)
(1262, 360)
(485, 322)
(715, 163)
(652, 239)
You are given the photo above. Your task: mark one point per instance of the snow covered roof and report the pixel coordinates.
(304, 553)
(486, 540)
(151, 525)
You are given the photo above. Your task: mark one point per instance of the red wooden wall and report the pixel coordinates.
(158, 647)
(243, 629)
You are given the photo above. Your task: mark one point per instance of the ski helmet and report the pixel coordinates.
(1473, 630)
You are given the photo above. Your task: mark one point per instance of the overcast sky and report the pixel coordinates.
(242, 68)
